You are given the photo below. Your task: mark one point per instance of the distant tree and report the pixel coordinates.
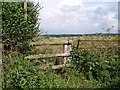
(17, 32)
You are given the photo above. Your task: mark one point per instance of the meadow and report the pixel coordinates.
(58, 49)
(90, 68)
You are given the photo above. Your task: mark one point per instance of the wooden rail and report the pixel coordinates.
(47, 55)
(66, 52)
(105, 41)
(44, 67)
(63, 42)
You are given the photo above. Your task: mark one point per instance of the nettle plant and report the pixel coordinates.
(17, 31)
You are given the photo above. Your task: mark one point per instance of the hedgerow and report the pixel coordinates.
(17, 31)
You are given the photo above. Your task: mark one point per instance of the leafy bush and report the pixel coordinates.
(16, 30)
(89, 71)
(20, 73)
(96, 67)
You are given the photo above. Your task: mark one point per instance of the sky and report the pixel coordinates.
(78, 16)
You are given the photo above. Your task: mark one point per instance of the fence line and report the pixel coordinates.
(66, 52)
(92, 41)
(61, 42)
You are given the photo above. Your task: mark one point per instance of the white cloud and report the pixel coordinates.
(70, 16)
(111, 21)
(101, 1)
(69, 3)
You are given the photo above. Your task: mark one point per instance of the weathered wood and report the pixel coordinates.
(46, 66)
(69, 48)
(47, 55)
(25, 7)
(65, 51)
(69, 51)
(78, 44)
(63, 42)
(60, 66)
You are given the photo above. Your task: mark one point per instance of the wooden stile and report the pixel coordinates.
(66, 53)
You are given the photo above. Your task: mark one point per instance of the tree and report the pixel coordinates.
(17, 32)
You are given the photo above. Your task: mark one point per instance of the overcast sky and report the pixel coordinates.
(78, 16)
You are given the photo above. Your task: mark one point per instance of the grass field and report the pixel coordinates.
(89, 69)
(59, 48)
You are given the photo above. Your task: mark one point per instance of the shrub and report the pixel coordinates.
(96, 67)
(17, 32)
(21, 73)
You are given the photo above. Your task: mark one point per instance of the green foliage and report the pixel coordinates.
(20, 73)
(96, 67)
(17, 31)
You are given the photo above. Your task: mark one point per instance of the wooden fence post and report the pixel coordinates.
(65, 51)
(78, 44)
(69, 51)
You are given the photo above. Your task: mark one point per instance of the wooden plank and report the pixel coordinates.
(65, 47)
(60, 66)
(47, 55)
(46, 66)
(61, 42)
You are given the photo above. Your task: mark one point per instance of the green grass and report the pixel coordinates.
(59, 49)
(26, 74)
